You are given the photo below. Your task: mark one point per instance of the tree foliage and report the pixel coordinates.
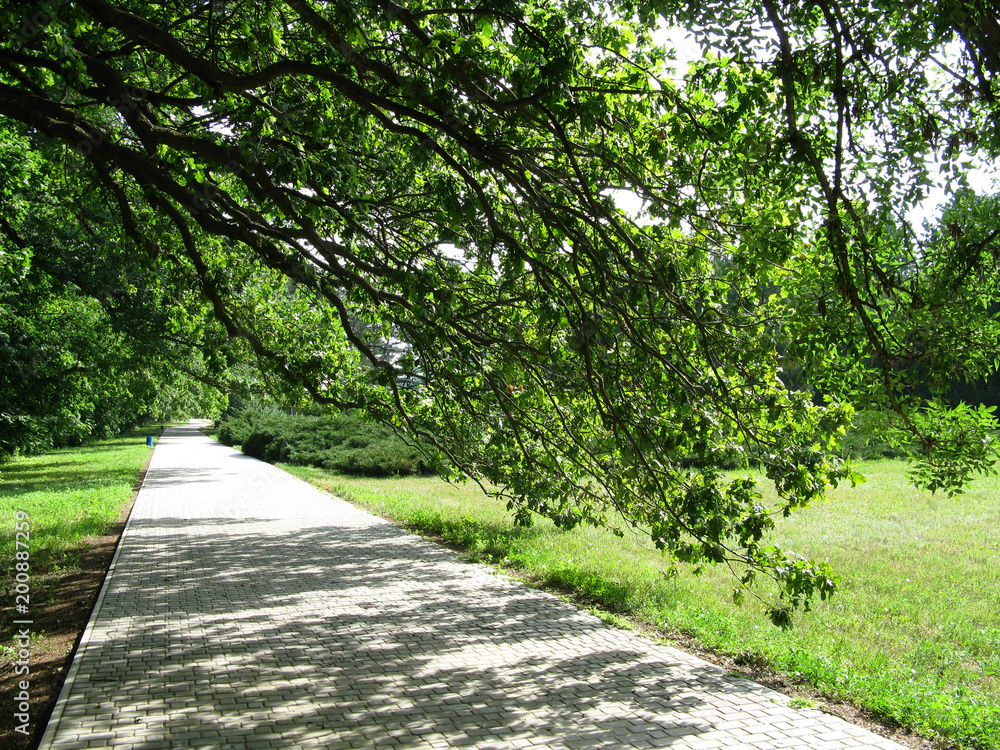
(338, 176)
(84, 342)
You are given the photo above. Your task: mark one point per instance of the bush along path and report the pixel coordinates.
(76, 501)
(345, 443)
(342, 442)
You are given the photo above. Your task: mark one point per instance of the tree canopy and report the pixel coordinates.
(85, 344)
(413, 209)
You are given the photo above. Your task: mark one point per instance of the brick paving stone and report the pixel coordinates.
(246, 609)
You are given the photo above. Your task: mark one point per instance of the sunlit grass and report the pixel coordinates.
(69, 494)
(914, 632)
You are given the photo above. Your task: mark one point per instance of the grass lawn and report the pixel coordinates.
(75, 500)
(69, 494)
(913, 634)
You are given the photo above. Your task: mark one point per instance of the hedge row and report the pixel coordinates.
(342, 442)
(345, 443)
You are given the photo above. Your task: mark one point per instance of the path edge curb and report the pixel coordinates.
(55, 718)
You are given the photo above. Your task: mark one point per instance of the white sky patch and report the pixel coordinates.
(684, 45)
(453, 252)
(627, 201)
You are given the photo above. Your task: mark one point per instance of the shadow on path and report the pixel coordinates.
(246, 609)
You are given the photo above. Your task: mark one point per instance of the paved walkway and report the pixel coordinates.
(246, 609)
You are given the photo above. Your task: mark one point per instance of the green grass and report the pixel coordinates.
(69, 494)
(913, 634)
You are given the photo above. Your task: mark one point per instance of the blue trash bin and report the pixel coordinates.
(149, 440)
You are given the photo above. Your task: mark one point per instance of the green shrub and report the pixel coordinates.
(342, 442)
(235, 428)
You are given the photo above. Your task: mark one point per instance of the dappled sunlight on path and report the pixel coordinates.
(246, 609)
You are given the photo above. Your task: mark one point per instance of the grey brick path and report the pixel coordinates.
(245, 609)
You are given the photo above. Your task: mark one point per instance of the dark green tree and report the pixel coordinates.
(85, 346)
(445, 174)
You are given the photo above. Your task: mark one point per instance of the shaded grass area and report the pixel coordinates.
(913, 635)
(69, 494)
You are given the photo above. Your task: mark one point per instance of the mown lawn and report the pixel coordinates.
(913, 634)
(69, 494)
